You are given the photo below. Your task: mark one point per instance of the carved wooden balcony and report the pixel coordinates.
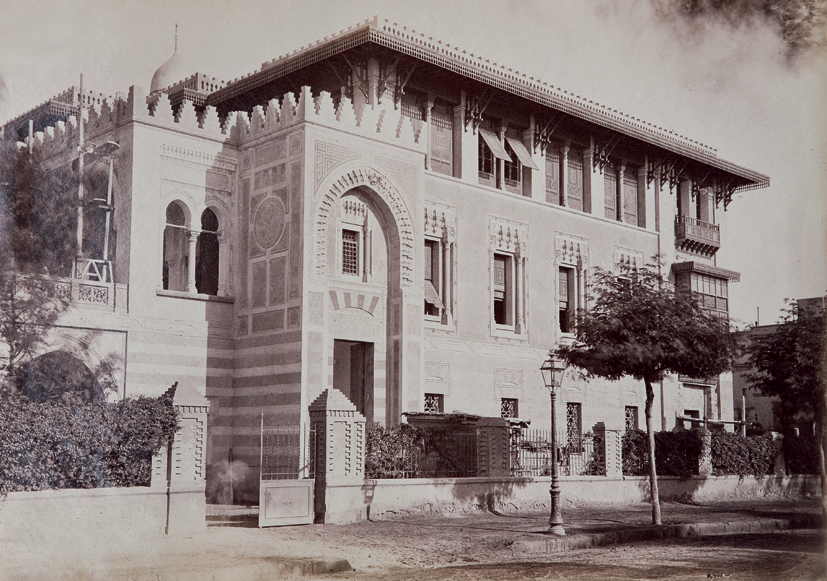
(84, 294)
(697, 236)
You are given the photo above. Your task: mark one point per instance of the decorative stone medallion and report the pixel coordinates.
(268, 223)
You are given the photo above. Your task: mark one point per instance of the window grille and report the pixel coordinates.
(631, 418)
(433, 403)
(350, 252)
(508, 407)
(710, 292)
(574, 431)
(412, 110)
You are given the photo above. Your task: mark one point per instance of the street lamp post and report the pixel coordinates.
(552, 371)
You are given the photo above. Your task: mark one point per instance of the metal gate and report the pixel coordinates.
(287, 476)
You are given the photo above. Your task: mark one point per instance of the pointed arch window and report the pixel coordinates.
(206, 255)
(176, 249)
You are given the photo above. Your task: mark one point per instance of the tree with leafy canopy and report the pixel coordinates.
(38, 218)
(639, 325)
(790, 364)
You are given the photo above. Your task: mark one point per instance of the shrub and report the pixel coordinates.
(635, 462)
(388, 451)
(676, 453)
(65, 443)
(735, 454)
(596, 465)
(406, 451)
(801, 454)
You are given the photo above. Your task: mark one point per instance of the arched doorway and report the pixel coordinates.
(363, 260)
(55, 374)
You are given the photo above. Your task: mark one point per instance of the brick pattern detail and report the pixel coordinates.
(345, 300)
(329, 156)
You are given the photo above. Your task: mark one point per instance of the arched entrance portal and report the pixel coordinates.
(364, 260)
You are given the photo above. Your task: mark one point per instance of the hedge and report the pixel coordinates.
(676, 453)
(736, 455)
(68, 444)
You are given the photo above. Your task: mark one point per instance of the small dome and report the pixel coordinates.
(169, 73)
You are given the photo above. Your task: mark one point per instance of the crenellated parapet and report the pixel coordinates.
(383, 122)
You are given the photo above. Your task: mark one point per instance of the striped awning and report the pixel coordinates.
(431, 296)
(522, 152)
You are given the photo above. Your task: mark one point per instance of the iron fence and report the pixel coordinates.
(412, 453)
(530, 453)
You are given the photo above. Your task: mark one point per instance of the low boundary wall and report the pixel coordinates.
(450, 495)
(116, 513)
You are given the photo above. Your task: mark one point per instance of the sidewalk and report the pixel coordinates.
(239, 550)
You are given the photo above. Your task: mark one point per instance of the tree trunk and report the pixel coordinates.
(821, 434)
(650, 438)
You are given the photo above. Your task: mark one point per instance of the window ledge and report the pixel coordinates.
(507, 332)
(194, 296)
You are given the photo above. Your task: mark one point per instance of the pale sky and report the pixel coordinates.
(730, 89)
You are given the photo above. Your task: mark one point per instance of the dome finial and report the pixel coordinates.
(172, 71)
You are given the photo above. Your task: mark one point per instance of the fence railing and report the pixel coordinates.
(421, 454)
(530, 453)
(287, 454)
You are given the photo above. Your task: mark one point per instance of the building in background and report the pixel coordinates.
(757, 409)
(386, 215)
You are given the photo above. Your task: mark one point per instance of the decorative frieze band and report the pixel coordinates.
(625, 258)
(507, 236)
(440, 221)
(571, 250)
(215, 160)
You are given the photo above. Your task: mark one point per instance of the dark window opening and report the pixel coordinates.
(433, 303)
(176, 250)
(503, 294)
(512, 170)
(206, 255)
(485, 159)
(566, 300)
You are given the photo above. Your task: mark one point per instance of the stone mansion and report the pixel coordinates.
(383, 214)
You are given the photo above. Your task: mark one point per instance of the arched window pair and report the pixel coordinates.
(180, 243)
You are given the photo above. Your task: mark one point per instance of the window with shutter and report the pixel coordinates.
(630, 196)
(610, 192)
(552, 176)
(574, 194)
